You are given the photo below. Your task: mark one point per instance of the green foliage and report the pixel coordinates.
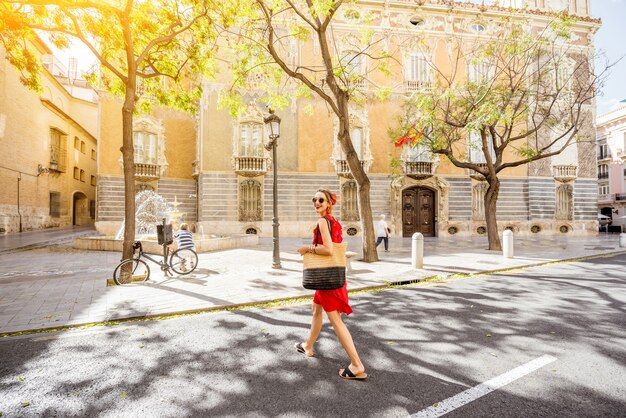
(512, 83)
(170, 40)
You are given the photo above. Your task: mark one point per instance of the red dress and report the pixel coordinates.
(336, 299)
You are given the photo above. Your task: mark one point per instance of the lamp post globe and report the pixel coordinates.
(272, 126)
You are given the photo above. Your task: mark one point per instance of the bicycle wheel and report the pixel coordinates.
(131, 271)
(184, 261)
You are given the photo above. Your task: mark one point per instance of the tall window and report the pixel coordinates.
(349, 202)
(82, 146)
(250, 140)
(603, 190)
(603, 171)
(146, 149)
(479, 71)
(58, 151)
(356, 135)
(76, 143)
(603, 150)
(476, 149)
(76, 173)
(353, 63)
(418, 153)
(563, 73)
(250, 205)
(418, 69)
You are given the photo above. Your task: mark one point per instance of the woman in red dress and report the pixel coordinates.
(333, 302)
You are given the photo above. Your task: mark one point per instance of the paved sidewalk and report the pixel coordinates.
(56, 285)
(42, 237)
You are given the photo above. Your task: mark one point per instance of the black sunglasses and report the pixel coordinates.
(315, 199)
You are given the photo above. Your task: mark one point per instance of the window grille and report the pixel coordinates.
(564, 204)
(349, 202)
(250, 204)
(55, 204)
(92, 209)
(478, 201)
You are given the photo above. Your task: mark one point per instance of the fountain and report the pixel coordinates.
(151, 208)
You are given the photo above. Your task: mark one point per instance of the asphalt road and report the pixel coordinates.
(422, 345)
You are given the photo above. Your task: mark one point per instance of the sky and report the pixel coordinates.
(610, 39)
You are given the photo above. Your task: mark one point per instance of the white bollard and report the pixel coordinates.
(417, 250)
(507, 243)
(622, 240)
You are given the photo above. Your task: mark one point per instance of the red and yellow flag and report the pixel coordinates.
(412, 136)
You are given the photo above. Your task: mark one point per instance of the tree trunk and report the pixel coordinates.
(370, 254)
(128, 157)
(491, 200)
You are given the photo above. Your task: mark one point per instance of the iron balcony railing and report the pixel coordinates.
(620, 197)
(603, 175)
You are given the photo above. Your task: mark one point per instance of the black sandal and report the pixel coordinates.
(347, 374)
(301, 349)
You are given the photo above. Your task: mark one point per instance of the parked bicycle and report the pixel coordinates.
(133, 270)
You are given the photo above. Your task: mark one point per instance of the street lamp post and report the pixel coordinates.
(272, 124)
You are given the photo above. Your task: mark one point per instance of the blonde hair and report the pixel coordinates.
(184, 226)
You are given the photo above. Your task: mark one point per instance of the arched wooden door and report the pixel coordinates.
(418, 212)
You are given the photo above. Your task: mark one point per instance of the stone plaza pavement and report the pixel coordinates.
(45, 283)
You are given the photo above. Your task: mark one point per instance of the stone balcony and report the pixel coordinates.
(412, 86)
(564, 173)
(621, 154)
(606, 198)
(418, 169)
(147, 172)
(344, 171)
(251, 166)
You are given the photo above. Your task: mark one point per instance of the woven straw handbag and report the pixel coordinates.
(325, 272)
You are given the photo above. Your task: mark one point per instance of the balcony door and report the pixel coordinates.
(418, 212)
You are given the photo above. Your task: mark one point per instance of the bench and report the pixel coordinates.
(349, 255)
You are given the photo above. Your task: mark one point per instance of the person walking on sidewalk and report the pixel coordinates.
(382, 232)
(333, 302)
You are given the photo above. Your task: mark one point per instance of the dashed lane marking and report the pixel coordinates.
(483, 389)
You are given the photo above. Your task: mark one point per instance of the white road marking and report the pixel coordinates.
(483, 389)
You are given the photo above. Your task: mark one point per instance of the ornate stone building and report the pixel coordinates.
(219, 168)
(556, 195)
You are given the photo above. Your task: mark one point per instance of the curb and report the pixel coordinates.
(293, 299)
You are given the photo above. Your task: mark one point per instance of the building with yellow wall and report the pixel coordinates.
(165, 150)
(48, 149)
(554, 195)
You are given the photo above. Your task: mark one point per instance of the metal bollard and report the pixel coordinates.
(622, 240)
(507, 243)
(417, 250)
